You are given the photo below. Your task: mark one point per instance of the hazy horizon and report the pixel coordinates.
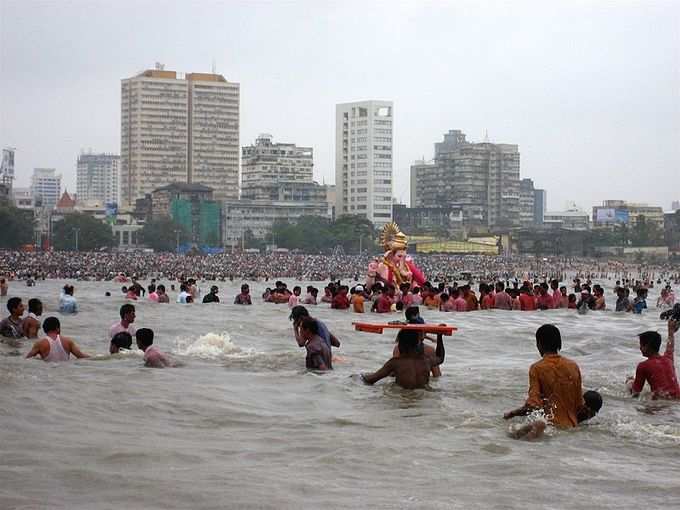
(589, 91)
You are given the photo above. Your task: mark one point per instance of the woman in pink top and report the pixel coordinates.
(55, 347)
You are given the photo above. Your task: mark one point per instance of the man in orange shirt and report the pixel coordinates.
(555, 385)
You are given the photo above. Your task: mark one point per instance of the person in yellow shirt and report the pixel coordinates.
(357, 299)
(555, 386)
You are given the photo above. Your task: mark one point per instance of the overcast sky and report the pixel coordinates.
(590, 91)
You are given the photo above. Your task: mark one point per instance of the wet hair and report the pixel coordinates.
(408, 341)
(34, 304)
(651, 340)
(151, 288)
(593, 400)
(298, 312)
(68, 289)
(548, 338)
(107, 294)
(122, 340)
(297, 288)
(245, 287)
(161, 287)
(189, 299)
(51, 324)
(125, 309)
(123, 289)
(310, 325)
(411, 312)
(13, 303)
(399, 306)
(144, 337)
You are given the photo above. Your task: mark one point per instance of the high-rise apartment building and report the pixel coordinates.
(363, 159)
(45, 187)
(527, 199)
(482, 179)
(279, 172)
(98, 178)
(179, 129)
(540, 205)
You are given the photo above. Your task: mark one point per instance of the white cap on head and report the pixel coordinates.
(359, 288)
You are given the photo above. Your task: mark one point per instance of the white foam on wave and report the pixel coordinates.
(211, 346)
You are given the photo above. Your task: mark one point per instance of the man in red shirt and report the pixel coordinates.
(502, 299)
(384, 302)
(340, 300)
(526, 300)
(658, 371)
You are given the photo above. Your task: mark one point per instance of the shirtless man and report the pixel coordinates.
(31, 323)
(13, 326)
(412, 368)
(54, 347)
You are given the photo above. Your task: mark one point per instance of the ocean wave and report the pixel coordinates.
(212, 346)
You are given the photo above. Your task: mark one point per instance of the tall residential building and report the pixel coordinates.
(98, 178)
(540, 205)
(526, 202)
(363, 159)
(45, 187)
(675, 205)
(482, 179)
(279, 172)
(179, 129)
(422, 178)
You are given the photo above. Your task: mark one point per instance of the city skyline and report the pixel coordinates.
(597, 118)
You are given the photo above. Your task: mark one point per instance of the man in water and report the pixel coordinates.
(54, 347)
(412, 368)
(297, 314)
(212, 297)
(244, 297)
(67, 302)
(657, 370)
(122, 340)
(4, 287)
(153, 357)
(554, 383)
(318, 352)
(12, 326)
(31, 323)
(127, 317)
(162, 296)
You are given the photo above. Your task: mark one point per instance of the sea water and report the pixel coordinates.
(241, 423)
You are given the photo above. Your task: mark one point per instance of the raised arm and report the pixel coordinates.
(439, 350)
(298, 337)
(386, 370)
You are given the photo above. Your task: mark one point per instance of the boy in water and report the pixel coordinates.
(657, 370)
(153, 357)
(318, 352)
(554, 385)
(412, 368)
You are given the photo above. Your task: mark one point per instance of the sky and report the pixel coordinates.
(589, 90)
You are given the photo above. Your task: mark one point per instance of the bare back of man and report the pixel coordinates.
(412, 368)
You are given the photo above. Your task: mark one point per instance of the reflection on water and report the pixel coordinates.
(242, 424)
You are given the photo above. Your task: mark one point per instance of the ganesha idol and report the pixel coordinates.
(395, 267)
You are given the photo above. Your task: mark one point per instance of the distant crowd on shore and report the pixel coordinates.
(104, 266)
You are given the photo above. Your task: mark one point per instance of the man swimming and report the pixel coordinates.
(412, 368)
(31, 323)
